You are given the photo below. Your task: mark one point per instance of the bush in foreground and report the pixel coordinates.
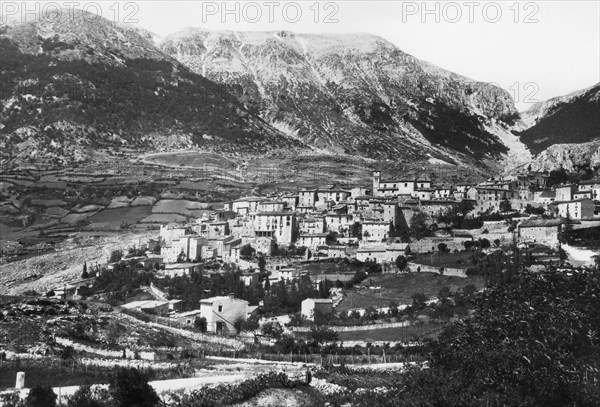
(41, 396)
(531, 342)
(129, 388)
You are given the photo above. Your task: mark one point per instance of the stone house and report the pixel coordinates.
(312, 305)
(222, 313)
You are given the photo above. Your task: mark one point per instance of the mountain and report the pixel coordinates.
(574, 118)
(77, 84)
(355, 94)
(569, 156)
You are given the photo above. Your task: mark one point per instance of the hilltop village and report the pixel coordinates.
(404, 225)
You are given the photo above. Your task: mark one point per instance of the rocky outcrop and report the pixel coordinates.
(571, 157)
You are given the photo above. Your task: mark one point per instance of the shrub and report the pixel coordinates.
(41, 396)
(401, 262)
(11, 400)
(247, 251)
(86, 397)
(200, 324)
(67, 353)
(129, 387)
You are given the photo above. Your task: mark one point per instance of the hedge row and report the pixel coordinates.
(226, 394)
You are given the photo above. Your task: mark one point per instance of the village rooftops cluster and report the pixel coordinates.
(328, 218)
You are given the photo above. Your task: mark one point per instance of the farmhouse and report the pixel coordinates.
(223, 313)
(576, 209)
(311, 306)
(381, 253)
(541, 231)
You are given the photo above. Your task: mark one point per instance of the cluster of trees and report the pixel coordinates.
(531, 342)
(286, 296)
(120, 282)
(455, 215)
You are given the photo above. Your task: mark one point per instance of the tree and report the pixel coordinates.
(557, 177)
(356, 230)
(247, 251)
(567, 228)
(401, 262)
(322, 335)
(262, 264)
(330, 239)
(505, 205)
(85, 274)
(534, 337)
(129, 387)
(115, 256)
(444, 293)
(419, 301)
(85, 397)
(182, 257)
(442, 247)
(41, 396)
(250, 324)
(200, 324)
(393, 306)
(534, 210)
(418, 225)
(272, 330)
(484, 243)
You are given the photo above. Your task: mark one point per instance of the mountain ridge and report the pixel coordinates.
(330, 90)
(572, 118)
(71, 87)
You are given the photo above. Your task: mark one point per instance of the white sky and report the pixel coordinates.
(553, 47)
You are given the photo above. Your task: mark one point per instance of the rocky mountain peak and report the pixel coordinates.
(351, 93)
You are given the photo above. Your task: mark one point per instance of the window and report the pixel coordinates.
(220, 308)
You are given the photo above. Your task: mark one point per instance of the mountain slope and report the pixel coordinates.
(574, 118)
(353, 93)
(571, 157)
(76, 84)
